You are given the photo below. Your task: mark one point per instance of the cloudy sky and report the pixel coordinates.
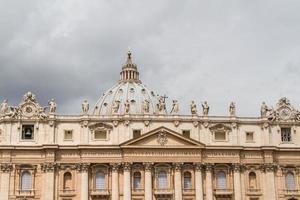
(214, 50)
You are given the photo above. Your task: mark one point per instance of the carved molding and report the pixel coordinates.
(148, 166)
(209, 167)
(83, 167)
(162, 138)
(177, 166)
(127, 166)
(115, 167)
(198, 166)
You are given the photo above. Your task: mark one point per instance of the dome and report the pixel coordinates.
(129, 96)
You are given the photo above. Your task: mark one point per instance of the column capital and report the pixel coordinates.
(177, 166)
(48, 166)
(269, 167)
(148, 166)
(209, 167)
(83, 167)
(115, 167)
(127, 166)
(198, 166)
(236, 167)
(6, 167)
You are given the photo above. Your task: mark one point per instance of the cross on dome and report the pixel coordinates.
(129, 71)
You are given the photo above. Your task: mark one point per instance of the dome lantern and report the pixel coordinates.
(129, 71)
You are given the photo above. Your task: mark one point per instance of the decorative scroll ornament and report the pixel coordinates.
(162, 138)
(284, 112)
(29, 108)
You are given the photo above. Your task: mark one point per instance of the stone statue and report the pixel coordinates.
(116, 106)
(15, 112)
(146, 106)
(264, 110)
(161, 106)
(205, 108)
(232, 109)
(41, 113)
(127, 106)
(52, 106)
(193, 108)
(4, 107)
(175, 107)
(85, 106)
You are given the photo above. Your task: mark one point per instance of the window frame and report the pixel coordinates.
(282, 136)
(72, 134)
(23, 139)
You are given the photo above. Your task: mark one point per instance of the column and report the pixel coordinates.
(177, 181)
(270, 181)
(115, 182)
(209, 185)
(148, 181)
(237, 182)
(49, 185)
(198, 181)
(84, 181)
(5, 174)
(127, 182)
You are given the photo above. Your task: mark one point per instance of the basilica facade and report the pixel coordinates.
(129, 146)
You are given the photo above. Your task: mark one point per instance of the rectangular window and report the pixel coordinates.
(100, 135)
(220, 136)
(136, 133)
(286, 135)
(186, 133)
(68, 135)
(249, 136)
(27, 132)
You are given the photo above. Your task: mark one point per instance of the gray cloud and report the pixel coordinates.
(219, 51)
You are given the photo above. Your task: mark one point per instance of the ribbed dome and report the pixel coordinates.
(129, 96)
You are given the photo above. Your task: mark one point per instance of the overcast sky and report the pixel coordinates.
(214, 50)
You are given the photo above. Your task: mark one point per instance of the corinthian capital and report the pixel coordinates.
(83, 167)
(177, 166)
(6, 167)
(198, 166)
(236, 167)
(148, 166)
(48, 167)
(209, 167)
(115, 167)
(127, 166)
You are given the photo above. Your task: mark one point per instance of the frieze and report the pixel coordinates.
(223, 153)
(163, 153)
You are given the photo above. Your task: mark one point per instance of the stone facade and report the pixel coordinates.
(130, 147)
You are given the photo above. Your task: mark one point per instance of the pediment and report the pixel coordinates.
(162, 137)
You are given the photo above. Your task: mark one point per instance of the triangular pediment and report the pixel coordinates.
(162, 137)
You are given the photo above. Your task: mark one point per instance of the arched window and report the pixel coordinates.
(67, 181)
(187, 180)
(26, 181)
(162, 180)
(221, 180)
(252, 180)
(290, 181)
(136, 180)
(100, 180)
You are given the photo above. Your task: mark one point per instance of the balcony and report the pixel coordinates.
(254, 191)
(291, 192)
(100, 192)
(163, 192)
(67, 193)
(137, 191)
(25, 193)
(223, 192)
(186, 191)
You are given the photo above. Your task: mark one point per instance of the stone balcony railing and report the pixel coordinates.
(188, 191)
(223, 191)
(100, 192)
(138, 191)
(25, 193)
(67, 193)
(291, 192)
(165, 191)
(254, 191)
